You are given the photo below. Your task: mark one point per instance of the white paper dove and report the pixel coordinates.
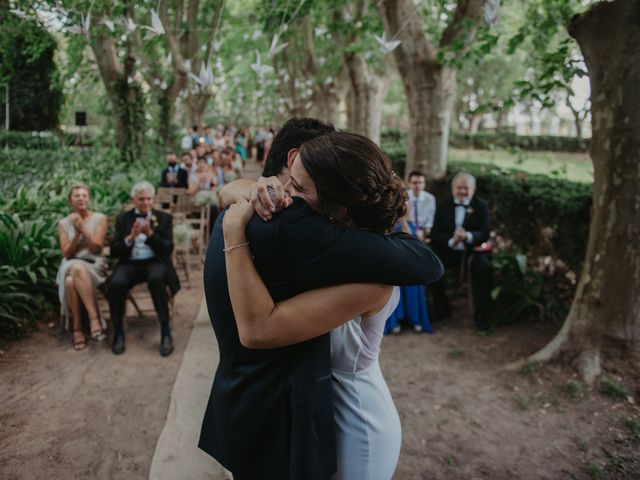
(130, 25)
(85, 23)
(387, 45)
(491, 9)
(205, 78)
(320, 31)
(109, 24)
(275, 48)
(259, 68)
(156, 27)
(18, 12)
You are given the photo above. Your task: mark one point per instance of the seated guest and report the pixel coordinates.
(231, 170)
(187, 141)
(241, 145)
(187, 163)
(204, 179)
(143, 242)
(208, 137)
(461, 224)
(174, 175)
(422, 205)
(412, 307)
(82, 269)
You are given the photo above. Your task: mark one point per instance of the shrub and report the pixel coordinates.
(29, 260)
(29, 140)
(504, 140)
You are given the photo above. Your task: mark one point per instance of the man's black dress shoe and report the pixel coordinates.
(118, 345)
(166, 346)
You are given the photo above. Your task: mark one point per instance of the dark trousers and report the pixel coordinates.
(129, 273)
(481, 280)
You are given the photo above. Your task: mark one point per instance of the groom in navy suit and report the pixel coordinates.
(270, 413)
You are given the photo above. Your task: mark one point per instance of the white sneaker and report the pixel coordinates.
(396, 329)
(418, 328)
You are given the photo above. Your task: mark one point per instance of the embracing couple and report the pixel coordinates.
(298, 300)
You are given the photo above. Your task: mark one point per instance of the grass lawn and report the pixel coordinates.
(576, 167)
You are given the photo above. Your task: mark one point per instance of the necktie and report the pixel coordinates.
(415, 213)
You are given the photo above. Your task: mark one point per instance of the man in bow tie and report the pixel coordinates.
(142, 243)
(462, 225)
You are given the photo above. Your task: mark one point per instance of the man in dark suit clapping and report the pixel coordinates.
(174, 175)
(462, 225)
(143, 243)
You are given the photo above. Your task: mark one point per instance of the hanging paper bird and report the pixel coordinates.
(205, 78)
(387, 46)
(320, 31)
(18, 12)
(259, 68)
(130, 25)
(156, 27)
(109, 24)
(275, 48)
(85, 23)
(491, 9)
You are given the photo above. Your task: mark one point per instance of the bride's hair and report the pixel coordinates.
(354, 180)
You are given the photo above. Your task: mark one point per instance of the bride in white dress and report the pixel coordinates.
(366, 420)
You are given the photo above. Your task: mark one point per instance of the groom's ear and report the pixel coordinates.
(290, 156)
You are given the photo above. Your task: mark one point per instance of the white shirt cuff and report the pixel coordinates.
(127, 242)
(469, 238)
(458, 246)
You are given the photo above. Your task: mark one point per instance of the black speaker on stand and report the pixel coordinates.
(81, 121)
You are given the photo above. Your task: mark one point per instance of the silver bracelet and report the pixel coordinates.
(233, 247)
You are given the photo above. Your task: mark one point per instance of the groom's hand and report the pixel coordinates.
(268, 196)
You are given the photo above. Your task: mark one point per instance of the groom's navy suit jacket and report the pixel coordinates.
(270, 413)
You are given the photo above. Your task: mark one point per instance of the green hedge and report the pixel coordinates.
(29, 140)
(542, 215)
(492, 140)
(395, 139)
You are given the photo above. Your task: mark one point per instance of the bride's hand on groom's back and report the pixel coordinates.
(237, 217)
(268, 196)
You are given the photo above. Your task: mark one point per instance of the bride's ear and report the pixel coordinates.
(290, 156)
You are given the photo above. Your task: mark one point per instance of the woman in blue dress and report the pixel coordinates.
(412, 306)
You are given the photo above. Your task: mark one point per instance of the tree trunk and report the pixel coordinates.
(429, 86)
(125, 96)
(197, 104)
(607, 301)
(368, 91)
(474, 122)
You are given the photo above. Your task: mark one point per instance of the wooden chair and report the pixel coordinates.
(464, 275)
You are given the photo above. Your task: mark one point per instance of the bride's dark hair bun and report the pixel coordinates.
(354, 180)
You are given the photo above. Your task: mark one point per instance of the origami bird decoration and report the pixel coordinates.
(156, 27)
(275, 48)
(259, 68)
(387, 45)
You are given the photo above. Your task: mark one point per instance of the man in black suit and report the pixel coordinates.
(174, 175)
(462, 225)
(270, 414)
(143, 242)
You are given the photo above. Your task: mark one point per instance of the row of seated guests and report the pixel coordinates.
(142, 244)
(224, 137)
(214, 169)
(456, 224)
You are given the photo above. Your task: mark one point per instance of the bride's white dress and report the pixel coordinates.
(367, 423)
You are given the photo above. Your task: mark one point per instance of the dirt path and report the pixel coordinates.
(89, 414)
(464, 417)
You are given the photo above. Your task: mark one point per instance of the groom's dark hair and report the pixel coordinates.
(292, 134)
